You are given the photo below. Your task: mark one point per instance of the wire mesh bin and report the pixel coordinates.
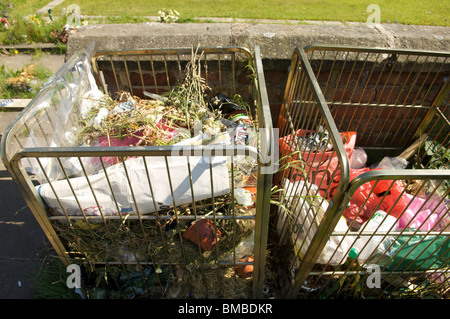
(364, 154)
(124, 177)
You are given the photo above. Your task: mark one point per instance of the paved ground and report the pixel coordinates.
(23, 244)
(51, 61)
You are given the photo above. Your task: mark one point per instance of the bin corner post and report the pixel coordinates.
(332, 215)
(36, 206)
(264, 182)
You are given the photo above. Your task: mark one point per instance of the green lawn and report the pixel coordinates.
(21, 30)
(432, 12)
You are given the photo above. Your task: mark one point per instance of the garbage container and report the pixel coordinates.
(132, 161)
(364, 133)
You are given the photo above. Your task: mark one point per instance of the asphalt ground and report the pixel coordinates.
(24, 248)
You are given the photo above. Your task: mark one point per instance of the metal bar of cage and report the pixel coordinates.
(17, 152)
(390, 99)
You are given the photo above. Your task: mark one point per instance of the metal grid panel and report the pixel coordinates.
(137, 234)
(393, 103)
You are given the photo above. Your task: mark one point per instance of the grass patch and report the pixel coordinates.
(433, 12)
(51, 280)
(22, 84)
(41, 29)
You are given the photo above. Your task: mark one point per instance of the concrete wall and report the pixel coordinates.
(277, 41)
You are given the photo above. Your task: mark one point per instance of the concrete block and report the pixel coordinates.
(277, 41)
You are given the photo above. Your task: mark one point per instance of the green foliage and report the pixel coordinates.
(439, 156)
(51, 282)
(32, 28)
(434, 155)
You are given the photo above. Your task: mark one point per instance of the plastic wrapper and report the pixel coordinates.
(203, 233)
(224, 104)
(358, 159)
(425, 213)
(386, 195)
(391, 163)
(243, 197)
(418, 252)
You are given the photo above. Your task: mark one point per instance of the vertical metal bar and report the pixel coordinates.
(429, 88)
(233, 212)
(104, 219)
(325, 91)
(158, 222)
(362, 133)
(346, 88)
(154, 75)
(219, 62)
(36, 206)
(140, 74)
(175, 211)
(394, 121)
(215, 228)
(426, 120)
(206, 68)
(167, 71)
(76, 199)
(419, 91)
(194, 207)
(128, 75)
(264, 181)
(355, 107)
(380, 94)
(114, 73)
(233, 73)
(137, 257)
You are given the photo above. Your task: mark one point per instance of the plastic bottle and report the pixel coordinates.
(244, 248)
(363, 248)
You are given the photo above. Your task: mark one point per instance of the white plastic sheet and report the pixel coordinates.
(307, 208)
(94, 195)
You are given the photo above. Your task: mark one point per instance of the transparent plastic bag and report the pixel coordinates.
(56, 115)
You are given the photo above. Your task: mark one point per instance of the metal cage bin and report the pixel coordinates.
(363, 186)
(125, 178)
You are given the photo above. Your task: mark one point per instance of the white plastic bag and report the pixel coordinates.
(308, 210)
(135, 195)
